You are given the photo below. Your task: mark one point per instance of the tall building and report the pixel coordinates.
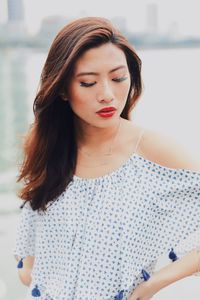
(3, 11)
(152, 18)
(15, 10)
(15, 26)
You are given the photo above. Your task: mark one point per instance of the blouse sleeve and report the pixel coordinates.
(165, 215)
(174, 213)
(25, 233)
(177, 207)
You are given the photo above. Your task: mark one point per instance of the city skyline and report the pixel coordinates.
(180, 17)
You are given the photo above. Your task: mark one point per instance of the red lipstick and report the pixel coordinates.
(106, 112)
(105, 109)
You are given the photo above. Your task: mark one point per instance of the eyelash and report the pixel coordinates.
(84, 84)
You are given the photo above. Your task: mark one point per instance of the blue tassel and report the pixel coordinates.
(36, 291)
(119, 296)
(145, 275)
(172, 255)
(20, 264)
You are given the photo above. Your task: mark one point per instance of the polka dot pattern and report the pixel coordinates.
(99, 234)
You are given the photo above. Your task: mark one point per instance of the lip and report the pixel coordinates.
(106, 109)
(106, 114)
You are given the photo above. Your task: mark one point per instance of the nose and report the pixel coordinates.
(105, 94)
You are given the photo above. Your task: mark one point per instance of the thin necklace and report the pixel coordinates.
(109, 153)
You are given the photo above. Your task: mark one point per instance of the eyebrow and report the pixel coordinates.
(95, 73)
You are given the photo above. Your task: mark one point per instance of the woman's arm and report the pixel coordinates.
(25, 272)
(183, 267)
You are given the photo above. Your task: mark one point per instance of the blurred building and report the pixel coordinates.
(50, 26)
(152, 18)
(3, 11)
(15, 11)
(14, 29)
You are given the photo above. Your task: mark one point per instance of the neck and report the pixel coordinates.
(92, 137)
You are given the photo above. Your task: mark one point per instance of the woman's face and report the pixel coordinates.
(101, 79)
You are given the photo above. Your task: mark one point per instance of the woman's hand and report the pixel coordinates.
(144, 291)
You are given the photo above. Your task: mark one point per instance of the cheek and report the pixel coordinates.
(75, 96)
(81, 102)
(124, 90)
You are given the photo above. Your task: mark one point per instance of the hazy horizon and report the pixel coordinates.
(180, 17)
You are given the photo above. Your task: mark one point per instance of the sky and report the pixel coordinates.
(179, 16)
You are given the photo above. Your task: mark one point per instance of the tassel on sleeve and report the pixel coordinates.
(35, 291)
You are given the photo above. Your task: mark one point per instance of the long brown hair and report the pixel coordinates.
(50, 149)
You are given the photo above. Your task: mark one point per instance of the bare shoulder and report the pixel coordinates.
(164, 150)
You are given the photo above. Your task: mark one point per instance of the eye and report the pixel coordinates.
(87, 84)
(119, 79)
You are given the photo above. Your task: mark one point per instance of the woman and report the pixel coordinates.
(104, 198)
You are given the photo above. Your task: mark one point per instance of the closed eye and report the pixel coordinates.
(120, 79)
(85, 84)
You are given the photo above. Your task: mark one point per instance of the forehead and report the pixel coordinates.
(104, 57)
